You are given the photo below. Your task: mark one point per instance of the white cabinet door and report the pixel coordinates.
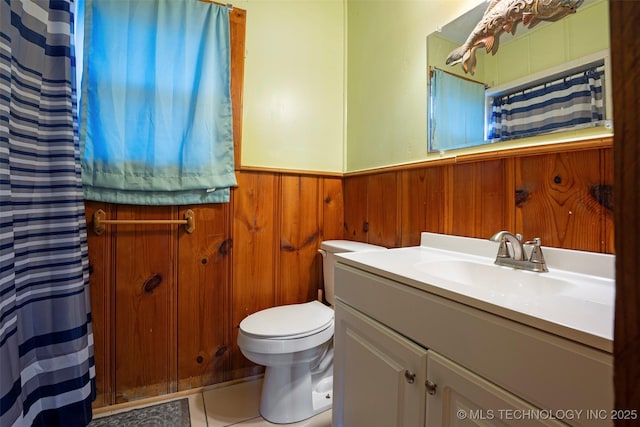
(458, 397)
(379, 375)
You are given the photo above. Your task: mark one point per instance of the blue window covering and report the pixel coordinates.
(573, 101)
(156, 104)
(47, 373)
(456, 112)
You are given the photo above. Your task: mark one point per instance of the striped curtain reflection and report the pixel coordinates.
(570, 102)
(46, 343)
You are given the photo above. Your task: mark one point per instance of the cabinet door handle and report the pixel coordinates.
(431, 387)
(409, 376)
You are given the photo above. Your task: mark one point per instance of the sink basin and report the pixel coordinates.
(495, 279)
(574, 300)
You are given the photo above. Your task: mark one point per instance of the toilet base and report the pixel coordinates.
(295, 393)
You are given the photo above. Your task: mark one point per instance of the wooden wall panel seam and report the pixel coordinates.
(172, 342)
(112, 307)
(277, 232)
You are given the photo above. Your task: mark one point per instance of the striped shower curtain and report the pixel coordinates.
(46, 344)
(571, 102)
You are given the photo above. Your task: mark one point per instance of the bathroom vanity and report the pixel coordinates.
(438, 335)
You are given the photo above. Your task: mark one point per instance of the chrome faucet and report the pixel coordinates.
(516, 258)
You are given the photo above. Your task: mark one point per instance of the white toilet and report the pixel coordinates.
(294, 342)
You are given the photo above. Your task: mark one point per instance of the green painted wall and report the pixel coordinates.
(341, 85)
(387, 87)
(549, 45)
(387, 77)
(294, 85)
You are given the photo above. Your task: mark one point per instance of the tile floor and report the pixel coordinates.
(230, 405)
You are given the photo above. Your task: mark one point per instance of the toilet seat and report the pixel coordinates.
(291, 321)
(286, 329)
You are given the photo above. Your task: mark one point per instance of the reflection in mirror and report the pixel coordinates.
(504, 16)
(456, 111)
(557, 56)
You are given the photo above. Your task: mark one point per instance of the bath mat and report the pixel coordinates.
(169, 414)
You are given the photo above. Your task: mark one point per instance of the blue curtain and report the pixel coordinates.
(46, 344)
(156, 117)
(456, 112)
(571, 102)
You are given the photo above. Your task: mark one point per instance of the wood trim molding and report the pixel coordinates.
(586, 144)
(238, 24)
(625, 57)
(289, 171)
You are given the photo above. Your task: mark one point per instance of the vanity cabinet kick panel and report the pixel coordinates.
(538, 367)
(391, 368)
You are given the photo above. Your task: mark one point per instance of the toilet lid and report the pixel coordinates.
(290, 321)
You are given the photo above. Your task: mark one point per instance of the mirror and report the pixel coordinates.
(529, 55)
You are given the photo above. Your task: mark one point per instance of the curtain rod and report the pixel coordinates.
(431, 68)
(228, 5)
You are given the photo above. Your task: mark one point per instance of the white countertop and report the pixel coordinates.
(580, 309)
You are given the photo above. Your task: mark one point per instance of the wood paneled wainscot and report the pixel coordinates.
(561, 193)
(166, 304)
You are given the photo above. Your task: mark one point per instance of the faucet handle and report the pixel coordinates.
(536, 256)
(535, 242)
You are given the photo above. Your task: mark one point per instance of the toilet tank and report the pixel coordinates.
(328, 249)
